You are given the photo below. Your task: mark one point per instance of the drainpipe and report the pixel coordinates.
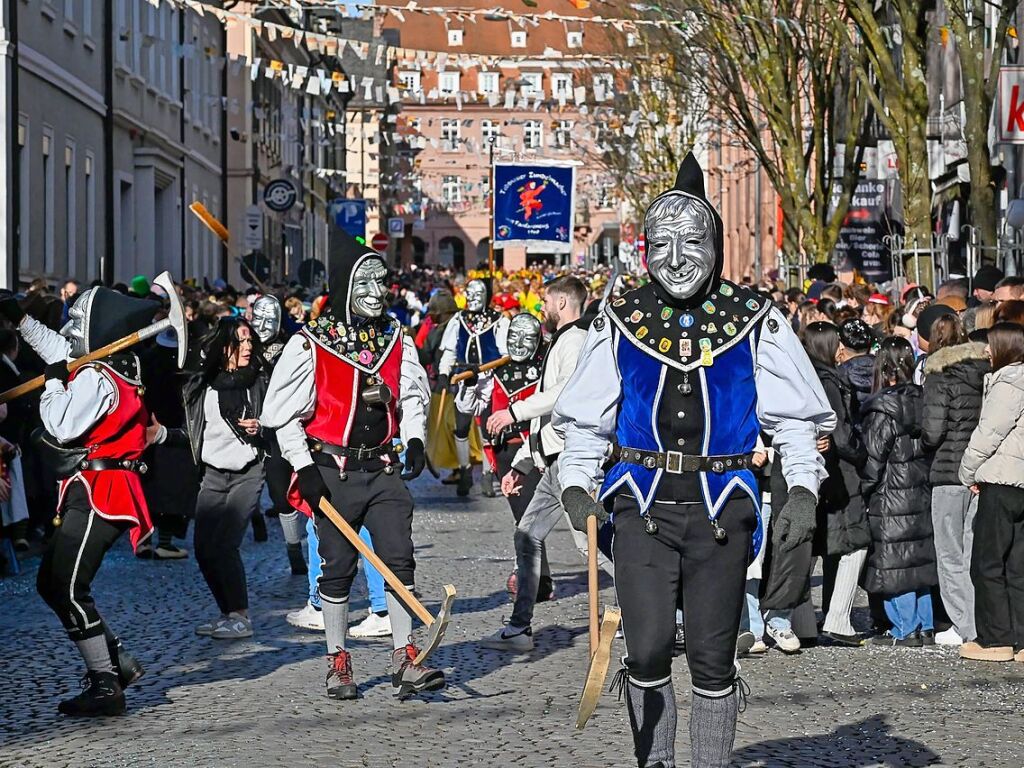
(106, 255)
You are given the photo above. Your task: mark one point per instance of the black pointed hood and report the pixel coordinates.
(690, 182)
(110, 315)
(347, 253)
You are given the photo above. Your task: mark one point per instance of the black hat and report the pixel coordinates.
(987, 277)
(928, 316)
(856, 335)
(347, 253)
(822, 271)
(110, 315)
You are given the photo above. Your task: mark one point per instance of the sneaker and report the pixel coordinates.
(308, 617)
(206, 628)
(785, 640)
(889, 640)
(949, 637)
(234, 627)
(745, 642)
(465, 482)
(1019, 656)
(851, 641)
(296, 561)
(504, 640)
(144, 552)
(373, 625)
(101, 696)
(169, 552)
(927, 637)
(340, 682)
(545, 590)
(758, 647)
(679, 644)
(410, 678)
(126, 666)
(976, 652)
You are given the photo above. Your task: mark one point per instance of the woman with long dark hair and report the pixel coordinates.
(993, 467)
(223, 400)
(901, 564)
(842, 535)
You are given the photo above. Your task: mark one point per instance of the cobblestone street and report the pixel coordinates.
(262, 702)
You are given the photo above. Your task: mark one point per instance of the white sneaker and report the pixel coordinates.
(206, 628)
(307, 618)
(758, 647)
(372, 626)
(785, 639)
(504, 640)
(949, 637)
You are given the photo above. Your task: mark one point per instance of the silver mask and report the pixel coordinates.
(367, 290)
(523, 337)
(76, 329)
(266, 317)
(680, 243)
(476, 296)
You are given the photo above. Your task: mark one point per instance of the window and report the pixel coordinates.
(489, 132)
(47, 201)
(533, 134)
(454, 37)
(602, 85)
(90, 217)
(415, 124)
(605, 198)
(410, 81)
(451, 189)
(574, 39)
(24, 193)
(69, 10)
(449, 135)
(488, 82)
(448, 82)
(532, 83)
(124, 24)
(632, 41)
(561, 84)
(563, 133)
(87, 18)
(519, 38)
(70, 210)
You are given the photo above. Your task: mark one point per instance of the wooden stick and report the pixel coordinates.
(592, 582)
(482, 369)
(397, 586)
(440, 412)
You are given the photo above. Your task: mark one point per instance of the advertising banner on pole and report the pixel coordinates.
(862, 237)
(534, 206)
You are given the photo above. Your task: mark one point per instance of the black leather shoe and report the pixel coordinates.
(851, 641)
(101, 697)
(465, 482)
(927, 636)
(126, 666)
(910, 641)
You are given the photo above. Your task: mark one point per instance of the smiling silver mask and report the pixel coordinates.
(523, 337)
(680, 243)
(367, 291)
(75, 330)
(476, 296)
(266, 317)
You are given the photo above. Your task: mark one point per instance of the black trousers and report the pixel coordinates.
(682, 558)
(997, 566)
(382, 504)
(70, 564)
(226, 503)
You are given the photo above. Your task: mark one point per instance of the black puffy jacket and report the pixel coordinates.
(842, 519)
(896, 488)
(860, 372)
(953, 387)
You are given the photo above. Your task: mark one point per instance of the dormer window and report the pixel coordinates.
(454, 37)
(519, 38)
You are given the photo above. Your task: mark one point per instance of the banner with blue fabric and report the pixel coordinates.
(534, 205)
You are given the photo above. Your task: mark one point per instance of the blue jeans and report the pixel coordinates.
(374, 581)
(751, 618)
(910, 612)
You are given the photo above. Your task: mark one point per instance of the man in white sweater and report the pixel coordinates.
(563, 306)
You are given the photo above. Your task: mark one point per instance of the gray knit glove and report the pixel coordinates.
(797, 520)
(579, 505)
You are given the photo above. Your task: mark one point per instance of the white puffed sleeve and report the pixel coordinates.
(414, 397)
(291, 399)
(449, 343)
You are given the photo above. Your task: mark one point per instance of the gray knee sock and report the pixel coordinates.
(652, 715)
(713, 729)
(293, 525)
(462, 451)
(96, 654)
(335, 622)
(401, 620)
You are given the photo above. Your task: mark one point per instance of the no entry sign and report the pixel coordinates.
(380, 242)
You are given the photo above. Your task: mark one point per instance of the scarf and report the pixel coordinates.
(232, 388)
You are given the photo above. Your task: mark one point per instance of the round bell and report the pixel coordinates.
(57, 521)
(650, 527)
(343, 476)
(389, 469)
(719, 531)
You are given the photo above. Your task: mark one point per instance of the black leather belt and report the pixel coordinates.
(676, 463)
(98, 465)
(359, 454)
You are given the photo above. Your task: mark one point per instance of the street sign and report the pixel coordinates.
(380, 242)
(350, 215)
(396, 227)
(280, 195)
(252, 232)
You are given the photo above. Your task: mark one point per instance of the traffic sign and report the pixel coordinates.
(280, 195)
(380, 242)
(396, 227)
(252, 232)
(349, 215)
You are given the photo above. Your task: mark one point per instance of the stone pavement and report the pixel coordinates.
(262, 703)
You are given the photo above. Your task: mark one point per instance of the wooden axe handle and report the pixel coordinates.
(118, 346)
(399, 588)
(592, 582)
(485, 367)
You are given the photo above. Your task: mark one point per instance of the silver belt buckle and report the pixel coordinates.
(674, 462)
